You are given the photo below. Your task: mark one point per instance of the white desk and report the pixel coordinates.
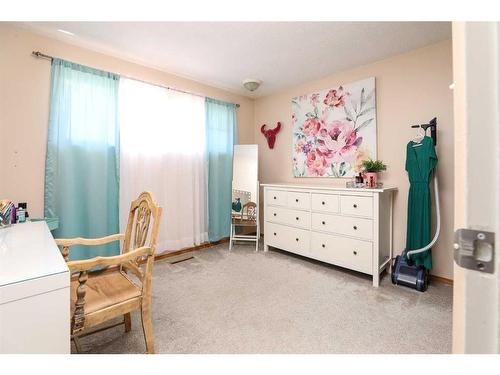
(34, 291)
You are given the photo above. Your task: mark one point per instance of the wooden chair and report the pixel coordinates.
(97, 297)
(248, 214)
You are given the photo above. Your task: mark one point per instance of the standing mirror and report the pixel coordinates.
(245, 195)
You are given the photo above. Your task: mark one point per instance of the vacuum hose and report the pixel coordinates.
(438, 226)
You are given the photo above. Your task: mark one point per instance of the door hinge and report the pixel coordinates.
(475, 249)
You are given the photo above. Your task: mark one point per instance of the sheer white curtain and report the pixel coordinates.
(162, 150)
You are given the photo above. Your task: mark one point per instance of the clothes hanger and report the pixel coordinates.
(417, 140)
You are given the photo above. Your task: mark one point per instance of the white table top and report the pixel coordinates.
(329, 187)
(28, 251)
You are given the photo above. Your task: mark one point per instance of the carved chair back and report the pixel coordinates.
(249, 211)
(143, 222)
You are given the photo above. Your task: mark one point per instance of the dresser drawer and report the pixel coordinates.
(300, 201)
(276, 214)
(287, 216)
(349, 226)
(345, 252)
(276, 197)
(325, 202)
(356, 205)
(287, 238)
(299, 218)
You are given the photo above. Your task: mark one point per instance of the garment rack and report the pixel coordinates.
(431, 124)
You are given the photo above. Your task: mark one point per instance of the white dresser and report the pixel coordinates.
(34, 291)
(351, 228)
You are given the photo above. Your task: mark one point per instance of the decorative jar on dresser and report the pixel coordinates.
(348, 227)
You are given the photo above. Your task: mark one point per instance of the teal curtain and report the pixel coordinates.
(221, 135)
(81, 167)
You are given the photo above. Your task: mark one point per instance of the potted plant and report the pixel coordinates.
(371, 169)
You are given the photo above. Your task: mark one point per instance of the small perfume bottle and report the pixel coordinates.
(359, 180)
(21, 212)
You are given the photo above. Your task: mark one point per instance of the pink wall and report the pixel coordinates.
(24, 106)
(411, 88)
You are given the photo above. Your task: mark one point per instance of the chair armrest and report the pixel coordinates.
(117, 260)
(89, 241)
(66, 243)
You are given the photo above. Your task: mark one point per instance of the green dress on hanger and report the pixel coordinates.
(420, 161)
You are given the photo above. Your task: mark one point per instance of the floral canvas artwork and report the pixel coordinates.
(334, 130)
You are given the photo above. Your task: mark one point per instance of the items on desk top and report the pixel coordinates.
(10, 214)
(7, 213)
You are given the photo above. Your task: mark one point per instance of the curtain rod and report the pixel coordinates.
(47, 57)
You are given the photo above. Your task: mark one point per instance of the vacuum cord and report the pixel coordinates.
(438, 224)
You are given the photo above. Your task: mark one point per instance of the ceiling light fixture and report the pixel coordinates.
(65, 32)
(251, 84)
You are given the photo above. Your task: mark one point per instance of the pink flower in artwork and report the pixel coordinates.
(299, 146)
(316, 163)
(311, 127)
(315, 99)
(335, 98)
(339, 141)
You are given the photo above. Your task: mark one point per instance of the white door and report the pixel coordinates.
(476, 68)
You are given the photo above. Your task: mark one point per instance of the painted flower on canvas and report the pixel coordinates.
(334, 130)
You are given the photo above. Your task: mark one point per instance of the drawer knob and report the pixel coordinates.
(323, 223)
(297, 239)
(297, 200)
(275, 233)
(355, 227)
(323, 203)
(323, 245)
(296, 218)
(274, 197)
(355, 252)
(274, 214)
(355, 205)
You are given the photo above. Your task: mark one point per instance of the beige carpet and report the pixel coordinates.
(275, 302)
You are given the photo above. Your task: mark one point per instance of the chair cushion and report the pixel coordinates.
(105, 290)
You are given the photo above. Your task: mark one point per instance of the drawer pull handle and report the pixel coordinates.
(355, 227)
(296, 218)
(274, 197)
(323, 203)
(323, 223)
(296, 200)
(274, 214)
(275, 233)
(355, 252)
(297, 239)
(355, 205)
(323, 245)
